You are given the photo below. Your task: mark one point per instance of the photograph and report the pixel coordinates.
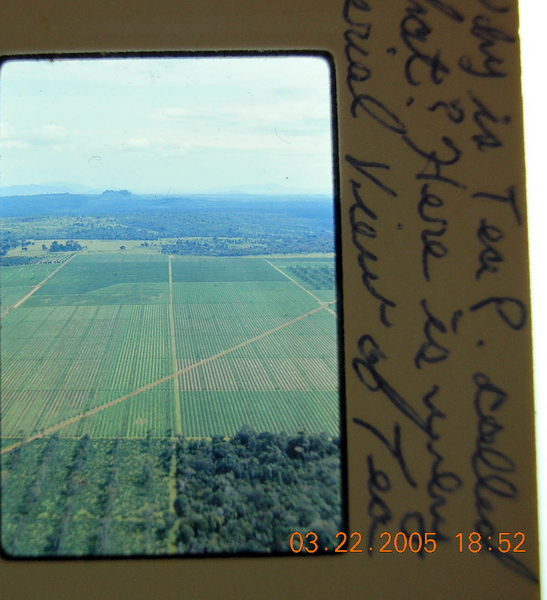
(171, 325)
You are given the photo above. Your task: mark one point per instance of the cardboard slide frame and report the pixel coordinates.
(438, 370)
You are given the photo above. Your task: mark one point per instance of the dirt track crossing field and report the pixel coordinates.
(325, 304)
(36, 288)
(262, 326)
(116, 368)
(55, 428)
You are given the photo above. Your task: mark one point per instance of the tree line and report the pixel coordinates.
(247, 494)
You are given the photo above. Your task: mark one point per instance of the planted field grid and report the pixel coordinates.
(17, 281)
(225, 413)
(121, 367)
(87, 338)
(113, 295)
(315, 275)
(105, 283)
(223, 269)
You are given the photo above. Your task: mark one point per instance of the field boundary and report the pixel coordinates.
(35, 289)
(148, 386)
(324, 304)
(178, 417)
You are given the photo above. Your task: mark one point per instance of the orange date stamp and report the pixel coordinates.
(415, 543)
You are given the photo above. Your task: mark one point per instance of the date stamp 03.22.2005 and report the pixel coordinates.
(415, 542)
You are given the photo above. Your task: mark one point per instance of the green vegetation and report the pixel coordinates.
(100, 328)
(18, 280)
(86, 497)
(193, 225)
(127, 458)
(19, 261)
(313, 277)
(80, 277)
(70, 246)
(71, 497)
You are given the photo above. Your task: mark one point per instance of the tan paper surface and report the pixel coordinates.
(432, 206)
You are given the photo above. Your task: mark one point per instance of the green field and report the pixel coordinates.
(123, 349)
(100, 329)
(16, 282)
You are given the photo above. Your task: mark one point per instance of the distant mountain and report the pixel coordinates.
(72, 188)
(54, 187)
(64, 187)
(123, 193)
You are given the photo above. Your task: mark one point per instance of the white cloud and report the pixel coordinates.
(9, 140)
(48, 134)
(136, 144)
(7, 130)
(13, 144)
(145, 116)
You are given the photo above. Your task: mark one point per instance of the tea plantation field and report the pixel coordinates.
(117, 356)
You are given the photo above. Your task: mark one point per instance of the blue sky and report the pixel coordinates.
(150, 125)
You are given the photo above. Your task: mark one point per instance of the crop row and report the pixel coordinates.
(144, 335)
(54, 391)
(239, 294)
(143, 348)
(48, 329)
(282, 344)
(21, 410)
(312, 277)
(118, 294)
(279, 344)
(132, 375)
(64, 347)
(224, 413)
(134, 417)
(80, 278)
(16, 348)
(220, 270)
(22, 361)
(11, 295)
(149, 320)
(54, 260)
(36, 411)
(204, 412)
(36, 374)
(195, 347)
(278, 313)
(242, 327)
(26, 275)
(233, 374)
(226, 375)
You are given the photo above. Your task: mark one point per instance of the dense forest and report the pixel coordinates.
(252, 492)
(200, 225)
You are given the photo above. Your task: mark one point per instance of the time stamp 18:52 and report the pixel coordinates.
(415, 542)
